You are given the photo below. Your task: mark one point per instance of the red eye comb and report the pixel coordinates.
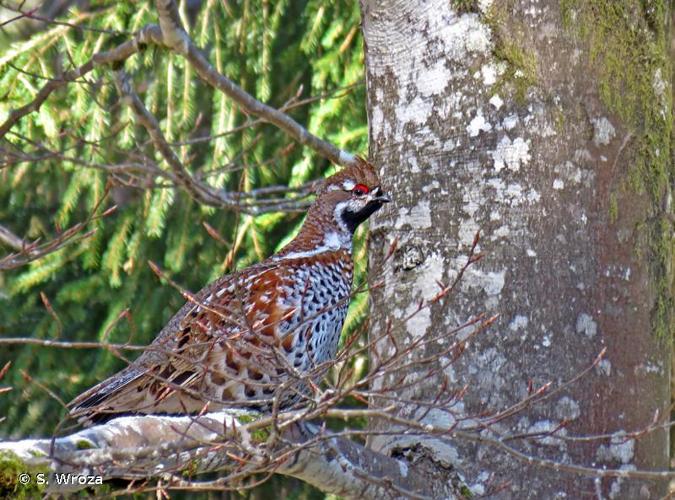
(360, 189)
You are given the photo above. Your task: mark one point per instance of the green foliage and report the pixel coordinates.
(271, 49)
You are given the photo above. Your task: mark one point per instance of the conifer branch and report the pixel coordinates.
(149, 34)
(171, 35)
(177, 39)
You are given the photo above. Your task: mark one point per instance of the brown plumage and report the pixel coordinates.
(261, 333)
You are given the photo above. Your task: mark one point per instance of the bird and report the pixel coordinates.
(258, 337)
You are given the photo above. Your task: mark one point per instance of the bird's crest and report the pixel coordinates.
(361, 172)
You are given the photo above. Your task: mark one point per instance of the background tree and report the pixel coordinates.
(57, 163)
(547, 126)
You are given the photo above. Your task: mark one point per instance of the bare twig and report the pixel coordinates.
(64, 344)
(34, 251)
(11, 240)
(33, 15)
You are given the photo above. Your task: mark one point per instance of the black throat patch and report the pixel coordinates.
(353, 219)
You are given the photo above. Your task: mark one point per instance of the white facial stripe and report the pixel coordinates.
(332, 242)
(302, 255)
(337, 215)
(338, 241)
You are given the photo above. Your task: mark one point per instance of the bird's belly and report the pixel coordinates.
(325, 334)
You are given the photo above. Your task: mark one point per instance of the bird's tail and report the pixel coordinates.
(105, 400)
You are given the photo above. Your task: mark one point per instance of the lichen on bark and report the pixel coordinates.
(519, 72)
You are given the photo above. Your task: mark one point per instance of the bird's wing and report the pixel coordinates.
(170, 375)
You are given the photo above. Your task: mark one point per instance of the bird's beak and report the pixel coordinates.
(378, 195)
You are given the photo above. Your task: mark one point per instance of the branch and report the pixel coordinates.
(171, 35)
(163, 447)
(11, 240)
(199, 191)
(33, 251)
(255, 201)
(344, 468)
(176, 39)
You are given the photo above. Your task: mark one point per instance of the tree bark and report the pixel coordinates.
(545, 125)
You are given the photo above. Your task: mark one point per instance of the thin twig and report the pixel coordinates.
(198, 190)
(11, 240)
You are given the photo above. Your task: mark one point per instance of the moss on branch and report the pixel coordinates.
(18, 479)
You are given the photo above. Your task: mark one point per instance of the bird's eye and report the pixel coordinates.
(360, 189)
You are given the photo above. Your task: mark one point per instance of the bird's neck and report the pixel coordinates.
(318, 236)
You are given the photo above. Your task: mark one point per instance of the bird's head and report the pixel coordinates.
(351, 195)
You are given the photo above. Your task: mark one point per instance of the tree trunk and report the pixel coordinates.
(545, 125)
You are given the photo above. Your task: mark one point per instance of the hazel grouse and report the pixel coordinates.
(262, 332)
